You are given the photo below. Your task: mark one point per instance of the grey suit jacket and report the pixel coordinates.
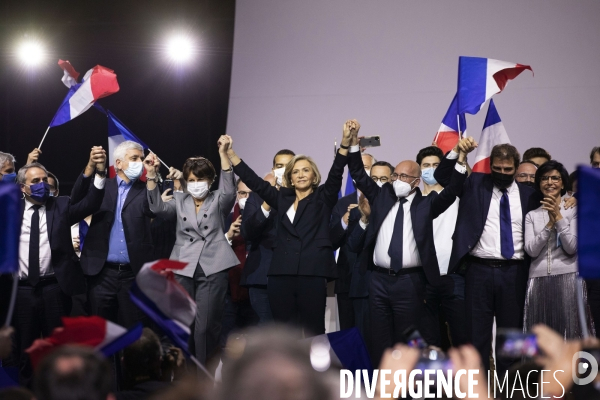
(199, 237)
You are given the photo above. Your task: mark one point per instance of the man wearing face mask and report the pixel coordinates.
(398, 247)
(118, 241)
(259, 229)
(526, 173)
(338, 232)
(49, 273)
(7, 167)
(447, 297)
(488, 246)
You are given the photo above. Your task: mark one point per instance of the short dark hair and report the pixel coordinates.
(283, 152)
(429, 151)
(594, 151)
(551, 166)
(51, 175)
(572, 180)
(383, 164)
(88, 379)
(505, 151)
(199, 166)
(536, 152)
(143, 357)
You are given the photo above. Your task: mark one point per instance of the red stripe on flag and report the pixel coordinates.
(503, 76)
(103, 82)
(446, 141)
(482, 166)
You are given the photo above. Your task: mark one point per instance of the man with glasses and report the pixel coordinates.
(398, 246)
(526, 173)
(595, 157)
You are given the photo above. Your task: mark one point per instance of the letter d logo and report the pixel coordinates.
(581, 367)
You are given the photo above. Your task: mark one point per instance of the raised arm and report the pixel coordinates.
(89, 200)
(226, 178)
(156, 205)
(255, 221)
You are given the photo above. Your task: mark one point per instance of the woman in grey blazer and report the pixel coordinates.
(200, 241)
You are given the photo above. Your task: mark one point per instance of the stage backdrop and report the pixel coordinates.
(301, 68)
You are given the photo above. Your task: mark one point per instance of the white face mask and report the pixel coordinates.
(379, 183)
(134, 170)
(242, 202)
(401, 188)
(279, 175)
(198, 189)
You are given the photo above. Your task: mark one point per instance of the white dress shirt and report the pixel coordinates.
(489, 242)
(410, 253)
(45, 251)
(443, 229)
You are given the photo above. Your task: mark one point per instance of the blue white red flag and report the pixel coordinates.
(157, 293)
(10, 227)
(70, 75)
(481, 78)
(493, 133)
(345, 347)
(97, 83)
(449, 133)
(117, 134)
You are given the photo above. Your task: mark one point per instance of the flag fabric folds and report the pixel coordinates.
(348, 347)
(493, 133)
(481, 78)
(588, 240)
(96, 332)
(117, 134)
(70, 75)
(10, 227)
(157, 293)
(97, 83)
(449, 132)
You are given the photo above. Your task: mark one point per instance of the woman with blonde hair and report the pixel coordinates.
(302, 255)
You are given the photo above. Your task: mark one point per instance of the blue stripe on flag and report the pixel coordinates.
(116, 127)
(471, 84)
(588, 240)
(10, 228)
(122, 341)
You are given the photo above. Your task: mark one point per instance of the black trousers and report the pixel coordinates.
(494, 291)
(445, 302)
(593, 292)
(396, 303)
(38, 310)
(299, 300)
(345, 310)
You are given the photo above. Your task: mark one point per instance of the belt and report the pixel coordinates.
(119, 267)
(495, 263)
(43, 280)
(391, 272)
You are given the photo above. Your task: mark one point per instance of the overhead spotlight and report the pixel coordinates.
(180, 48)
(31, 52)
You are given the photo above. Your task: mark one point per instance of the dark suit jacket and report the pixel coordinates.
(339, 235)
(475, 199)
(302, 247)
(260, 231)
(136, 223)
(61, 213)
(423, 210)
(359, 280)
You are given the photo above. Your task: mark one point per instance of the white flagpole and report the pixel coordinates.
(40, 146)
(202, 367)
(161, 161)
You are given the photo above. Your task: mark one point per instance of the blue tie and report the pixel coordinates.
(507, 248)
(395, 249)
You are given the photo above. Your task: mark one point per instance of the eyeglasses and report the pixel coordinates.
(382, 179)
(551, 178)
(243, 193)
(525, 176)
(403, 177)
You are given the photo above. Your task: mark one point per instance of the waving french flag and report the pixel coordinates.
(493, 133)
(481, 78)
(97, 83)
(157, 293)
(70, 75)
(449, 133)
(117, 134)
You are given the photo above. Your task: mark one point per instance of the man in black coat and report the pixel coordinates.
(49, 270)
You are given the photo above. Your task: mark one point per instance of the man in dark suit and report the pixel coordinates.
(488, 246)
(399, 248)
(118, 241)
(49, 271)
(259, 229)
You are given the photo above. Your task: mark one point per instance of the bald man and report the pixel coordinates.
(397, 243)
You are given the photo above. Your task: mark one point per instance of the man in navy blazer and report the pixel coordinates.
(399, 248)
(489, 251)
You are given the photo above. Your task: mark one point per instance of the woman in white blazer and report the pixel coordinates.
(200, 241)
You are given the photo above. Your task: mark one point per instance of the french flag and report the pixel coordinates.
(157, 293)
(481, 78)
(117, 134)
(493, 133)
(449, 133)
(97, 83)
(96, 332)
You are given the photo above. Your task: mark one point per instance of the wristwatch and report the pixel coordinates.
(344, 147)
(101, 174)
(155, 179)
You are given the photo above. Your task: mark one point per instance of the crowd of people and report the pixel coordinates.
(425, 247)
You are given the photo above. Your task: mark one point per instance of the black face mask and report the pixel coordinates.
(502, 181)
(528, 183)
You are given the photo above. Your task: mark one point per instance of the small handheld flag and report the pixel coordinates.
(450, 132)
(493, 133)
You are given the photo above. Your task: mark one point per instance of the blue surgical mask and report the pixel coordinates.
(12, 177)
(40, 192)
(134, 171)
(427, 175)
